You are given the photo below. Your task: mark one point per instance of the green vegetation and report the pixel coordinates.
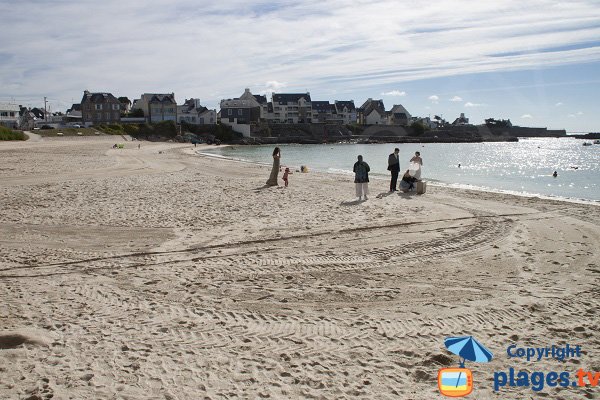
(355, 129)
(137, 113)
(417, 128)
(165, 129)
(500, 123)
(112, 129)
(9, 134)
(67, 132)
(221, 132)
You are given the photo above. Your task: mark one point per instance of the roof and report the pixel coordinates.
(340, 104)
(99, 97)
(399, 109)
(37, 112)
(261, 99)
(75, 107)
(284, 98)
(371, 105)
(162, 98)
(322, 106)
(238, 103)
(9, 107)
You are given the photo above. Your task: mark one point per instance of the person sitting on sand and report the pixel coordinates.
(408, 182)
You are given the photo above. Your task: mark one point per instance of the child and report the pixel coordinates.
(285, 176)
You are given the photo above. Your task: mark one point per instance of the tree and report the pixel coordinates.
(500, 123)
(418, 128)
(137, 113)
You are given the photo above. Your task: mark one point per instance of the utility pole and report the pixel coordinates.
(45, 112)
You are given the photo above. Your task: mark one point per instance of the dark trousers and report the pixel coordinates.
(394, 180)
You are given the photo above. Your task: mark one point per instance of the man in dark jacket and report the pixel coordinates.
(394, 168)
(361, 178)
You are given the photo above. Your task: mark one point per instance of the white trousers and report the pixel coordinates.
(362, 189)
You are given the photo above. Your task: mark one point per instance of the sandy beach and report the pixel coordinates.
(155, 273)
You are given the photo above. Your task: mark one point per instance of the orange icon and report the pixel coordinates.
(455, 382)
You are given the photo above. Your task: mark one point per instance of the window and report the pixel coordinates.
(3, 114)
(240, 111)
(98, 106)
(230, 112)
(12, 114)
(98, 116)
(115, 106)
(107, 116)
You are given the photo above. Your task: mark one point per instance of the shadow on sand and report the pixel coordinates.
(407, 195)
(352, 203)
(384, 194)
(263, 187)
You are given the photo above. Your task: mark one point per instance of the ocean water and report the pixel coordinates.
(523, 167)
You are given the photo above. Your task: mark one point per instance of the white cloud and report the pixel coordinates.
(579, 113)
(468, 104)
(219, 47)
(394, 93)
(272, 86)
(434, 98)
(571, 115)
(456, 98)
(526, 116)
(558, 104)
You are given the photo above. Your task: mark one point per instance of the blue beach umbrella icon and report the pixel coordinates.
(467, 348)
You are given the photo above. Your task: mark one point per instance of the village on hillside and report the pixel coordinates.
(255, 119)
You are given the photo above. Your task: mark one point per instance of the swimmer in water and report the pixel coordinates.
(555, 174)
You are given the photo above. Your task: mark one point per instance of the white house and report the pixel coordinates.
(346, 111)
(398, 115)
(372, 112)
(241, 112)
(193, 113)
(292, 108)
(9, 114)
(157, 107)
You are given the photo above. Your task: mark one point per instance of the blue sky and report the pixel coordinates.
(535, 62)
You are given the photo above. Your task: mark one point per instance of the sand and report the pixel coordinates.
(154, 273)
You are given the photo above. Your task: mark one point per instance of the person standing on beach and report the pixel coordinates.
(286, 175)
(417, 158)
(394, 168)
(361, 178)
(275, 170)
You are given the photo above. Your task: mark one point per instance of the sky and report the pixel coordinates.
(535, 62)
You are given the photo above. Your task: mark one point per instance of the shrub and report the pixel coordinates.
(131, 129)
(9, 134)
(165, 129)
(417, 128)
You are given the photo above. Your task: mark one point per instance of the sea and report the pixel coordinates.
(524, 168)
